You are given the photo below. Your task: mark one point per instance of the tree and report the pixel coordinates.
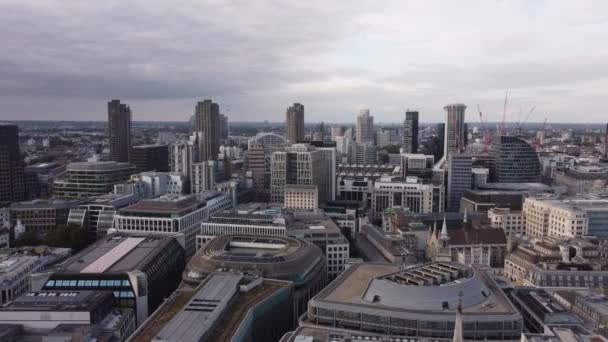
(28, 238)
(69, 236)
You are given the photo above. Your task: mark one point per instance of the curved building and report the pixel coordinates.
(281, 258)
(513, 161)
(422, 301)
(268, 138)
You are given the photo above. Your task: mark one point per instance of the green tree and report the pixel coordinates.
(28, 238)
(69, 236)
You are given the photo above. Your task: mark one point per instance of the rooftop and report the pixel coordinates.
(41, 204)
(430, 288)
(115, 253)
(172, 319)
(59, 301)
(98, 166)
(164, 204)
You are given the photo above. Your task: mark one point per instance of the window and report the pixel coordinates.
(50, 283)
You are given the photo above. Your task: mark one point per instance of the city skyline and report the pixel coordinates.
(335, 58)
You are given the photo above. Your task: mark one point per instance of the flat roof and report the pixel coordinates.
(226, 324)
(98, 166)
(110, 255)
(197, 318)
(376, 286)
(58, 301)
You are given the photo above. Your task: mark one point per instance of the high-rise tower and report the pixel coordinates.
(455, 133)
(12, 178)
(365, 127)
(207, 121)
(119, 131)
(410, 132)
(295, 123)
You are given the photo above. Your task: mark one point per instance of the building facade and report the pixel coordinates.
(301, 197)
(119, 131)
(207, 121)
(455, 133)
(365, 128)
(459, 175)
(150, 158)
(513, 160)
(85, 179)
(410, 132)
(294, 116)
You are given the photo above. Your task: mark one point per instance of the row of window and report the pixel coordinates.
(88, 283)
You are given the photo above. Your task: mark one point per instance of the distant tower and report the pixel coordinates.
(455, 131)
(365, 128)
(119, 131)
(295, 123)
(207, 121)
(410, 132)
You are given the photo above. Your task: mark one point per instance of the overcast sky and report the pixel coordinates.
(66, 59)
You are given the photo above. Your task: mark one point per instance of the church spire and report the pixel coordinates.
(465, 216)
(458, 323)
(444, 230)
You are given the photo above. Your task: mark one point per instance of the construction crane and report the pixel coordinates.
(520, 123)
(503, 128)
(537, 141)
(485, 133)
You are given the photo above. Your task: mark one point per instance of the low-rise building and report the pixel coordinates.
(367, 300)
(223, 307)
(85, 179)
(311, 225)
(17, 265)
(280, 258)
(511, 222)
(96, 214)
(301, 197)
(139, 271)
(409, 193)
(170, 215)
(41, 216)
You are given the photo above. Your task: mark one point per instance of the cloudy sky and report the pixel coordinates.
(66, 59)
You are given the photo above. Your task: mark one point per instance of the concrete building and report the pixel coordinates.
(140, 271)
(481, 176)
(152, 184)
(12, 176)
(237, 308)
(119, 131)
(303, 164)
(459, 175)
(170, 215)
(294, 117)
(388, 137)
(484, 200)
(207, 122)
(455, 132)
(47, 313)
(311, 225)
(410, 132)
(150, 158)
(407, 193)
(365, 128)
(17, 265)
(513, 160)
(367, 300)
(343, 144)
(44, 174)
(279, 258)
(183, 154)
(362, 153)
(576, 255)
(203, 177)
(554, 218)
(85, 179)
(96, 214)
(301, 197)
(511, 222)
(41, 216)
(258, 160)
(581, 180)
